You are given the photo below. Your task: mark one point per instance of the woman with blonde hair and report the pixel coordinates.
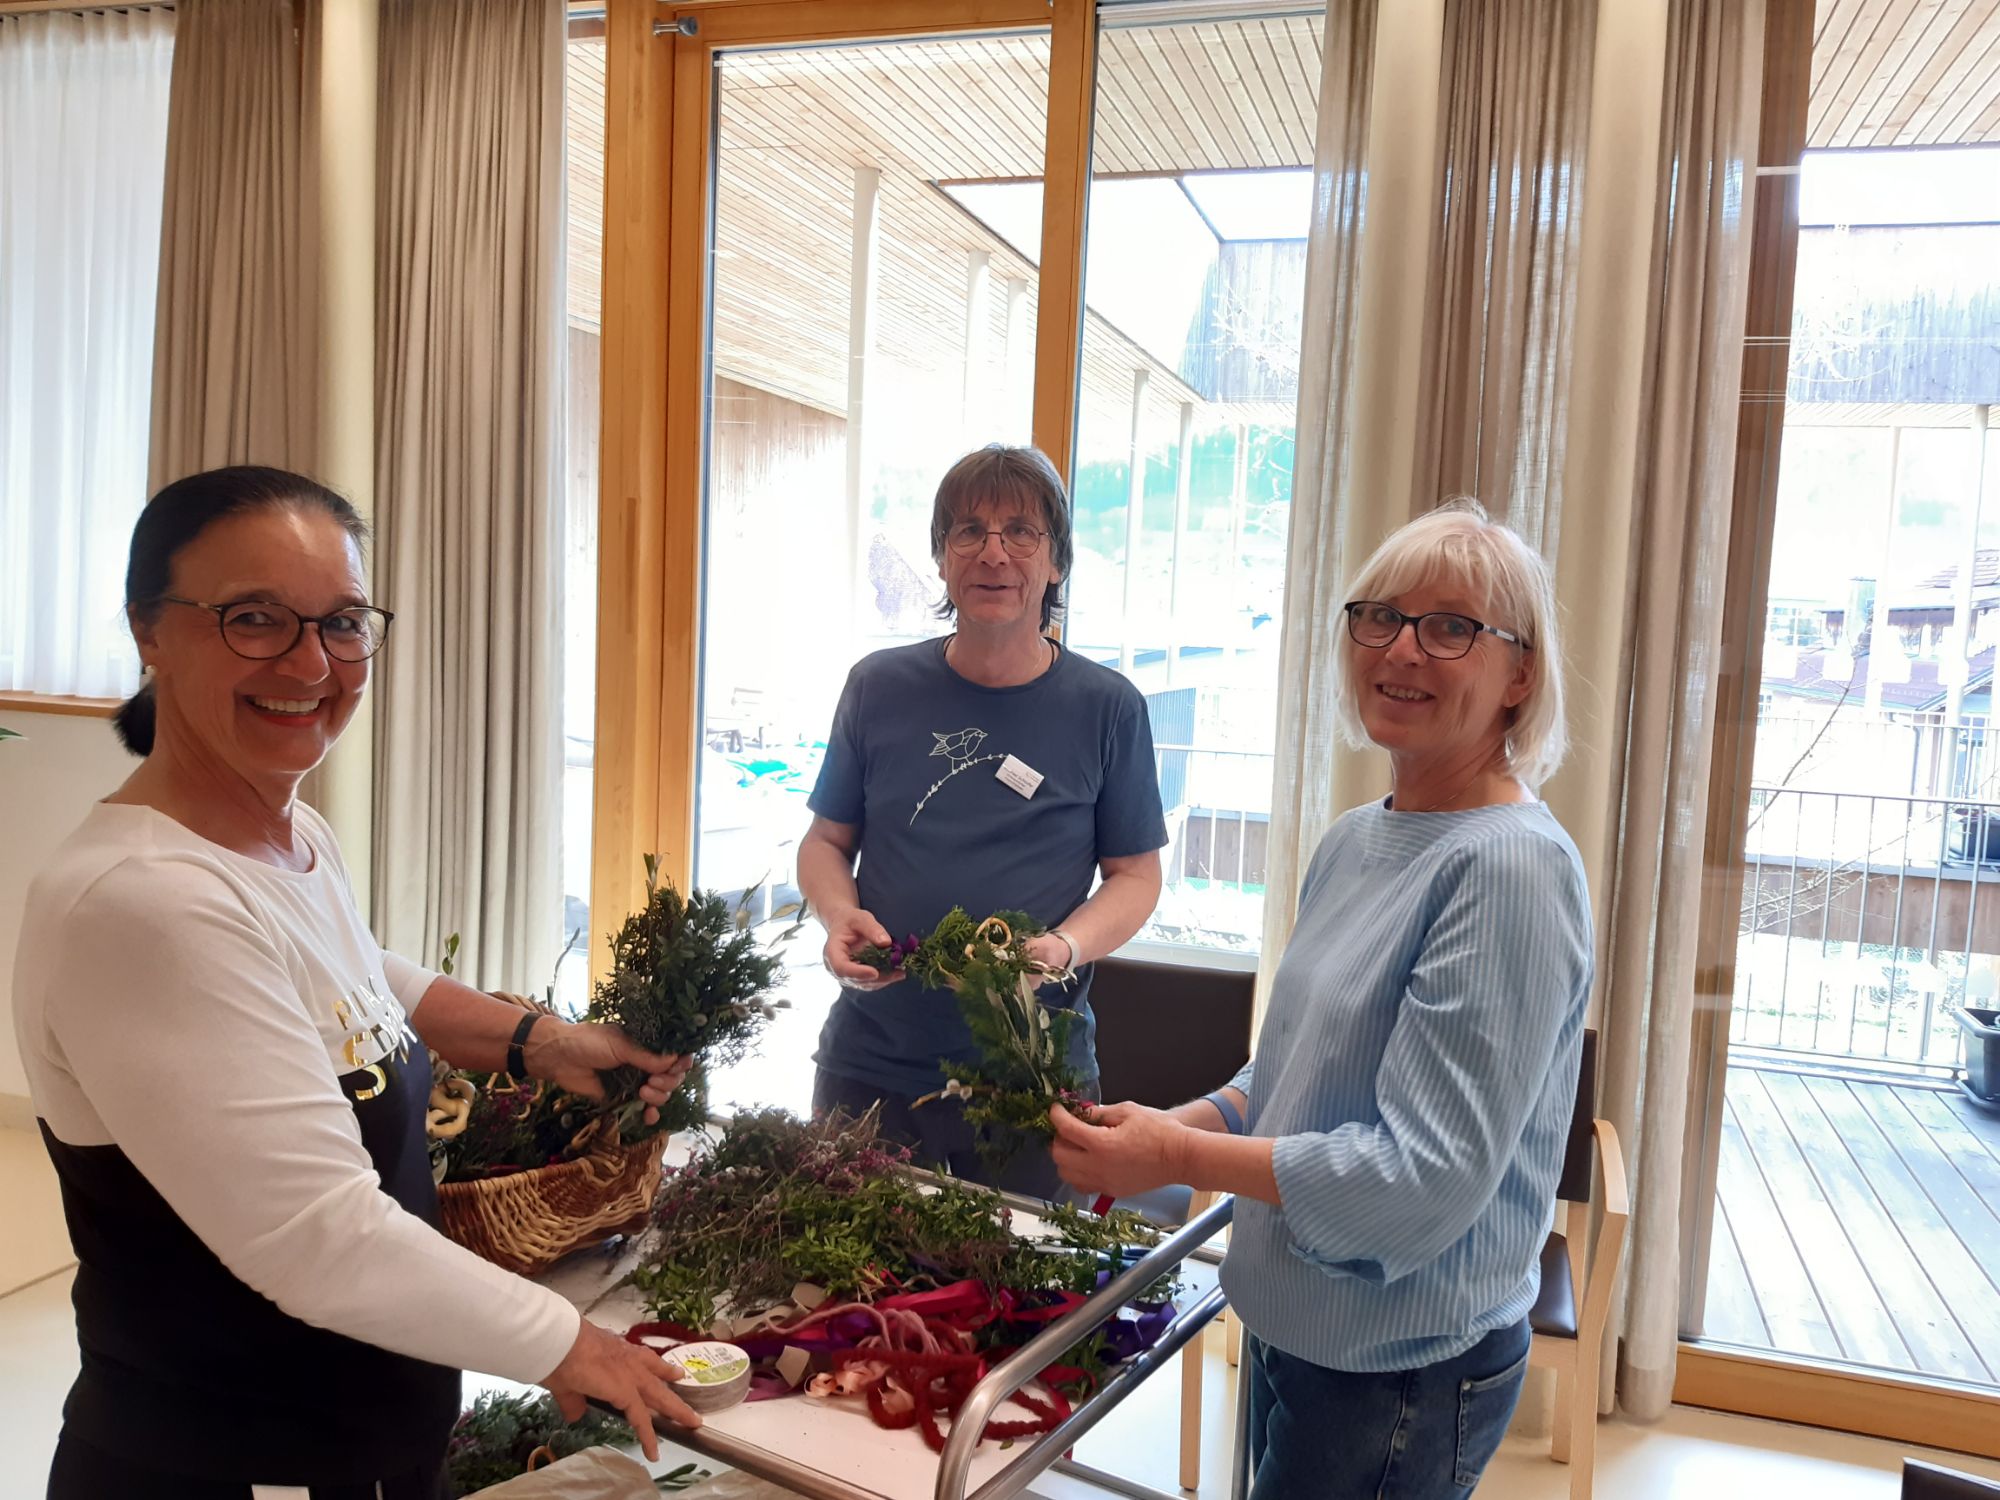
(1395, 1141)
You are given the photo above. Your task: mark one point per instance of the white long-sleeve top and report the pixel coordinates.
(197, 1009)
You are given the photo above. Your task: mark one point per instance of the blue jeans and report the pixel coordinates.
(1425, 1434)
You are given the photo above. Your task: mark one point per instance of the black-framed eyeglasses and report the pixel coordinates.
(968, 538)
(1440, 634)
(263, 631)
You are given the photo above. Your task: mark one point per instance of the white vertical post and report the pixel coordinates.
(1955, 660)
(862, 277)
(343, 788)
(1018, 375)
(1881, 639)
(1183, 486)
(1135, 505)
(976, 421)
(1239, 504)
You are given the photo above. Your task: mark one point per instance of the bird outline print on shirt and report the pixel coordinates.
(960, 748)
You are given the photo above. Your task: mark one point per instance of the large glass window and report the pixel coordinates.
(1857, 1189)
(1194, 283)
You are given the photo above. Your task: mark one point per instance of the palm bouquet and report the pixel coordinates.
(688, 976)
(1023, 1064)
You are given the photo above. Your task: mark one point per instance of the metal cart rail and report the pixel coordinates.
(831, 1452)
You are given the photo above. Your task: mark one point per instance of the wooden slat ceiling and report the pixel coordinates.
(1905, 73)
(796, 123)
(1184, 98)
(583, 159)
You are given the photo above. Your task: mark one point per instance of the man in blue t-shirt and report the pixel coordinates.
(991, 770)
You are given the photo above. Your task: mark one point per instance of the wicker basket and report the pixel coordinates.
(526, 1221)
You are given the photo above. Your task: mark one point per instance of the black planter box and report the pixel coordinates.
(1982, 1052)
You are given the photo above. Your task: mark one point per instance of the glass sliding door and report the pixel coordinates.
(869, 325)
(1855, 1218)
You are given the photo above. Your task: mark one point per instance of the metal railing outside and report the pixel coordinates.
(1867, 920)
(1217, 803)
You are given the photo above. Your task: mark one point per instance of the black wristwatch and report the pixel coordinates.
(517, 1060)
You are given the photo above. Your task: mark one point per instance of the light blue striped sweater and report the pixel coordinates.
(1417, 1070)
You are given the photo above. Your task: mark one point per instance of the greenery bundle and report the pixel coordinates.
(688, 977)
(499, 1436)
(1023, 1064)
(777, 1201)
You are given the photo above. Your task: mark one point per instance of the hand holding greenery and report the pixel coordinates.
(1023, 1064)
(688, 977)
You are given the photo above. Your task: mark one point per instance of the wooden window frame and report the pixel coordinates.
(57, 703)
(659, 114)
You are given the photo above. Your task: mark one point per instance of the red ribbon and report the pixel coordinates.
(935, 1385)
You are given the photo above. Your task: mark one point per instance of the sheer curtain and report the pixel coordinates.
(469, 483)
(1654, 788)
(1319, 549)
(1500, 321)
(79, 252)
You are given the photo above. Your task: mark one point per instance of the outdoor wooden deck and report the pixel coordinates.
(1858, 1220)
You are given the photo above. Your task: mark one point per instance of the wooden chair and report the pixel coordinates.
(1922, 1481)
(1167, 1033)
(1569, 1316)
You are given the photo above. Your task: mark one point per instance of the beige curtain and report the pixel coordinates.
(1319, 550)
(235, 344)
(1493, 397)
(469, 483)
(1672, 628)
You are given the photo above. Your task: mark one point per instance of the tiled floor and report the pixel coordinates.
(1690, 1455)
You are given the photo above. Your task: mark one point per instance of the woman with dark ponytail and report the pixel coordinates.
(229, 1071)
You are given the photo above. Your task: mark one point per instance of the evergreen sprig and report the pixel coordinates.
(498, 1434)
(688, 976)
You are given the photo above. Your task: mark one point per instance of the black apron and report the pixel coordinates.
(187, 1370)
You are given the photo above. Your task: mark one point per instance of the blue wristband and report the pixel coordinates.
(1232, 1118)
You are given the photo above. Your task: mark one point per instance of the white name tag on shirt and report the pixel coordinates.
(1021, 776)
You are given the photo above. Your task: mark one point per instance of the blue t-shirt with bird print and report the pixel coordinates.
(915, 760)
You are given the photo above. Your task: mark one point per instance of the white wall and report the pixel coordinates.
(48, 779)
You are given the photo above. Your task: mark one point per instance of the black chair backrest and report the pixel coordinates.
(1922, 1481)
(1167, 1033)
(1574, 1184)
